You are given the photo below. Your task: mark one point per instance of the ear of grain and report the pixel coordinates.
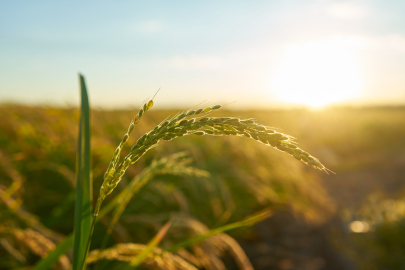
(111, 170)
(213, 126)
(197, 123)
(157, 259)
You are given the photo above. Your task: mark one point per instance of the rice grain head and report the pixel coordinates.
(198, 124)
(157, 259)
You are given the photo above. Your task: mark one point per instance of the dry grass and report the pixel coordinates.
(157, 259)
(36, 242)
(213, 247)
(254, 175)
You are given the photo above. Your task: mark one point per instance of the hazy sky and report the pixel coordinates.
(220, 51)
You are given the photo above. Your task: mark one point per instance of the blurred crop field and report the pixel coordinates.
(354, 219)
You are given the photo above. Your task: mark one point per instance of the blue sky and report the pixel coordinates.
(219, 51)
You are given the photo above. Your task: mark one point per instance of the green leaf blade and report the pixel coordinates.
(83, 212)
(247, 222)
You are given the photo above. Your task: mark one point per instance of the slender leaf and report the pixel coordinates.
(83, 216)
(249, 221)
(82, 224)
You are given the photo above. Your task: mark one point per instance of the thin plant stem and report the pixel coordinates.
(93, 223)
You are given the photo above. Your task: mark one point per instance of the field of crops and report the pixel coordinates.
(214, 181)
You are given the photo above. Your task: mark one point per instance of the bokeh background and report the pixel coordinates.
(330, 73)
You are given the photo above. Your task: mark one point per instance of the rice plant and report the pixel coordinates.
(186, 235)
(190, 122)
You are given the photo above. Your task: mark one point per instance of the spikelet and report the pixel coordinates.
(111, 170)
(177, 164)
(157, 259)
(213, 126)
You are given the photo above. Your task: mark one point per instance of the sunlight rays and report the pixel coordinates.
(317, 74)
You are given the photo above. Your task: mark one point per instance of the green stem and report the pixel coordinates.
(93, 223)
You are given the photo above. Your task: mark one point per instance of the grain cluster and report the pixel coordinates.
(196, 122)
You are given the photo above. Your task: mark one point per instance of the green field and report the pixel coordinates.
(311, 209)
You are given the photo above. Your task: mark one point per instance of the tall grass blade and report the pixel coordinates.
(249, 221)
(64, 246)
(83, 215)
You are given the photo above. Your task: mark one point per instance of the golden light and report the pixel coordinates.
(317, 74)
(359, 226)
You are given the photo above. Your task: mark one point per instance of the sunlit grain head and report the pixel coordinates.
(317, 74)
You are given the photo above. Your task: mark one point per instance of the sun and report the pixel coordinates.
(317, 74)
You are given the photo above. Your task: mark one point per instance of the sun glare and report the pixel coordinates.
(317, 74)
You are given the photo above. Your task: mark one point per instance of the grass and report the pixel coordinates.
(213, 195)
(84, 224)
(190, 122)
(38, 157)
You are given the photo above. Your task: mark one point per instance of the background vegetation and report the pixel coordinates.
(312, 210)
